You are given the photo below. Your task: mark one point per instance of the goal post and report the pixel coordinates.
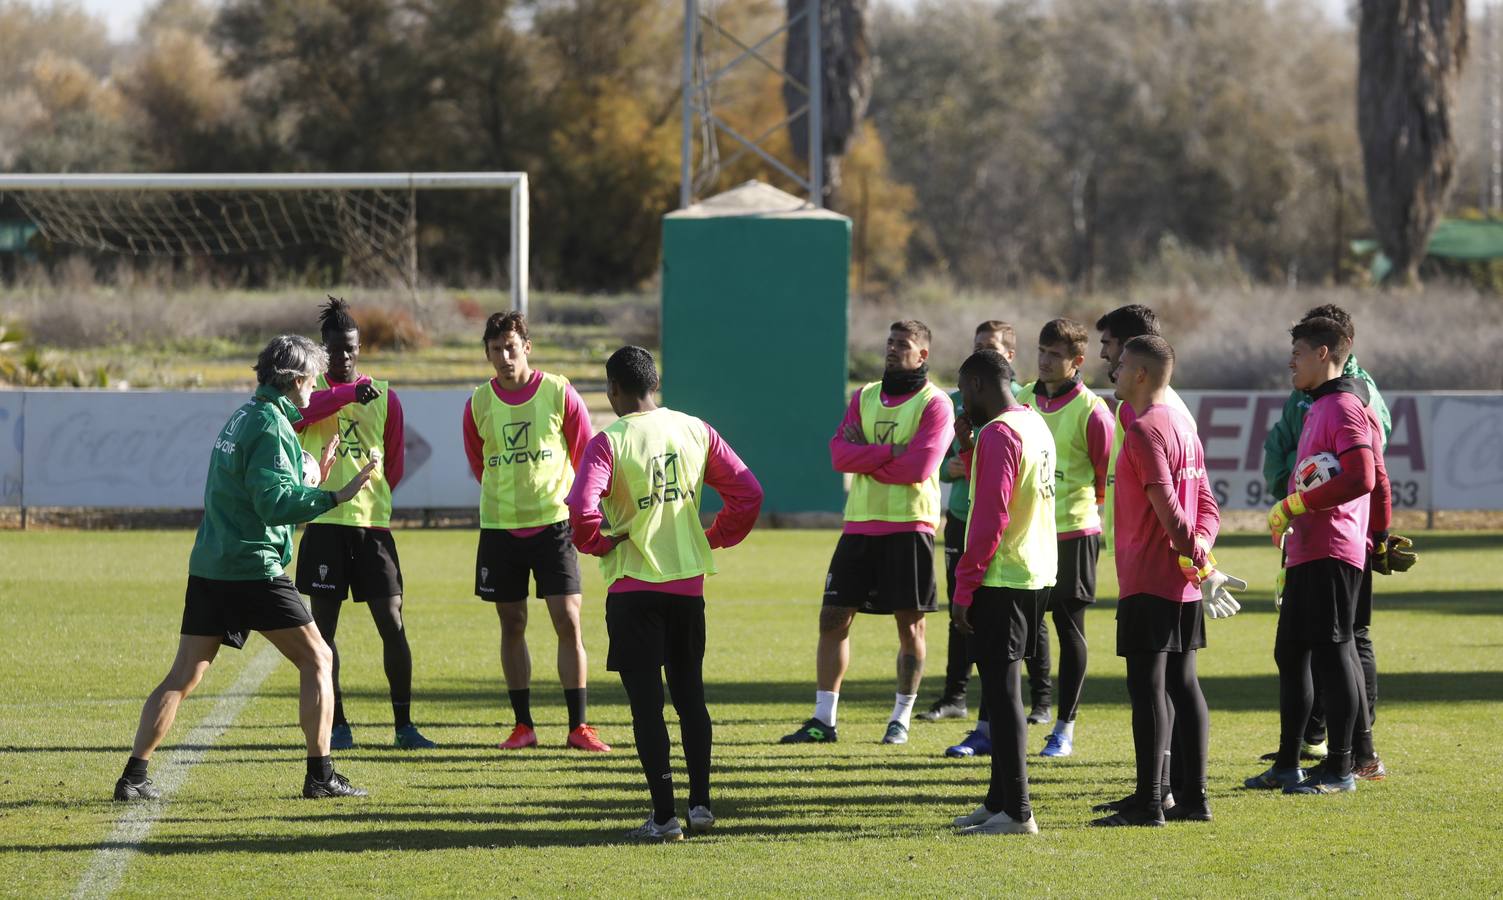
(259, 217)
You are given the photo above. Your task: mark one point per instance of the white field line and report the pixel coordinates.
(108, 865)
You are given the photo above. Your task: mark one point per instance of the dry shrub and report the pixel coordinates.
(384, 328)
(1442, 338)
(469, 308)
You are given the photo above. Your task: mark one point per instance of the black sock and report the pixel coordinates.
(401, 714)
(644, 693)
(574, 698)
(135, 770)
(320, 768)
(521, 706)
(339, 718)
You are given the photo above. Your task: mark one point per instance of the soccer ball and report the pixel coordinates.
(312, 477)
(1315, 470)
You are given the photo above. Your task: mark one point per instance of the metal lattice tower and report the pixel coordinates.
(699, 103)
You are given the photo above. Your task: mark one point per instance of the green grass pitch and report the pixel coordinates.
(88, 624)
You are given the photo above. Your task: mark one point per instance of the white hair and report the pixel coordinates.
(287, 358)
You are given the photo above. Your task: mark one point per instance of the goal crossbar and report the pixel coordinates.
(515, 183)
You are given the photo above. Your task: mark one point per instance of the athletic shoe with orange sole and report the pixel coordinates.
(1370, 771)
(584, 738)
(521, 736)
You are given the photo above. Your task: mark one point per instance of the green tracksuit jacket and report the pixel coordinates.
(254, 494)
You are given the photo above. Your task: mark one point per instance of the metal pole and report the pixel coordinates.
(686, 148)
(1484, 189)
(816, 109)
(520, 245)
(1495, 113)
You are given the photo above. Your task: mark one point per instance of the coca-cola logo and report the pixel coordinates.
(143, 454)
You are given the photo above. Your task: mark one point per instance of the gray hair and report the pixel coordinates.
(287, 358)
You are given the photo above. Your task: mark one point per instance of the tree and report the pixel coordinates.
(1410, 54)
(845, 80)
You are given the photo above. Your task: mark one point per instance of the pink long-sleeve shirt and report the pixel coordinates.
(326, 403)
(724, 471)
(920, 461)
(576, 427)
(994, 465)
(1100, 430)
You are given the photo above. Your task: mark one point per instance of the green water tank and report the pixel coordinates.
(754, 319)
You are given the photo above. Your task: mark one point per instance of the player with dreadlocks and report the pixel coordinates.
(349, 551)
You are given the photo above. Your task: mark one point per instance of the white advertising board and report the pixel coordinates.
(1233, 425)
(11, 429)
(151, 448)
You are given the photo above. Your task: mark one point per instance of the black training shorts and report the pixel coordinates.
(1006, 623)
(336, 560)
(1149, 624)
(1320, 602)
(230, 610)
(651, 629)
(1075, 580)
(503, 561)
(883, 573)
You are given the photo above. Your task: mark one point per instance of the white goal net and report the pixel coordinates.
(369, 220)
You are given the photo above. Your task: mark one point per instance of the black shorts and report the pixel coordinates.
(1006, 623)
(1149, 624)
(335, 560)
(503, 561)
(1363, 618)
(230, 610)
(649, 629)
(1320, 602)
(883, 573)
(954, 546)
(1075, 580)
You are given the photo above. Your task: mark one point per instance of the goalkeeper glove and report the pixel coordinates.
(1216, 594)
(1278, 589)
(1391, 554)
(1198, 567)
(1282, 514)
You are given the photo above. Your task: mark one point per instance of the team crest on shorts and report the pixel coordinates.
(323, 573)
(485, 574)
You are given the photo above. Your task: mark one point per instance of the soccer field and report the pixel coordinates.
(89, 624)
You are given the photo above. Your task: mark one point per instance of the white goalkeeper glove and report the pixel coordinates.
(1216, 594)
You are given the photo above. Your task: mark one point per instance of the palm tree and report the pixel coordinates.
(846, 79)
(1410, 58)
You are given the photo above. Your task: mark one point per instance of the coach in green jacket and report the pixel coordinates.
(254, 494)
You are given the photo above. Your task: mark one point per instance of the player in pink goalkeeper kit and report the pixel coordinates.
(1324, 531)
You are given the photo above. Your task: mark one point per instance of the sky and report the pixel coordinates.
(122, 15)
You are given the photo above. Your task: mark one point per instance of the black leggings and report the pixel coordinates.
(1338, 669)
(686, 687)
(1153, 681)
(1069, 624)
(1001, 686)
(1367, 661)
(395, 654)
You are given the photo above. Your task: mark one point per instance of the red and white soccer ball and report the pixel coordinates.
(1315, 470)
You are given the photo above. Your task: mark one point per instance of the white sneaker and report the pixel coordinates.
(1002, 823)
(974, 818)
(700, 818)
(652, 831)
